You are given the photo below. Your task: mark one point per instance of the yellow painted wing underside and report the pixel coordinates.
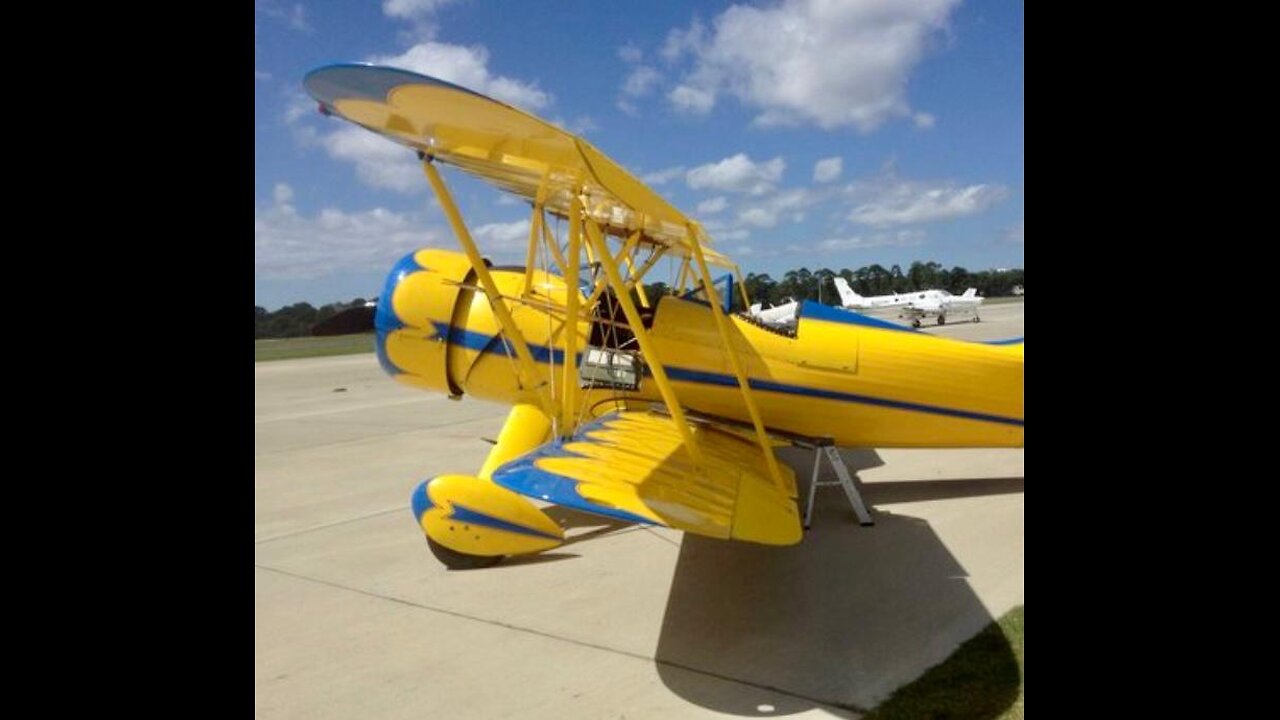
(502, 145)
(633, 466)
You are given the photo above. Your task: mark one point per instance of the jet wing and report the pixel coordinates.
(501, 145)
(632, 466)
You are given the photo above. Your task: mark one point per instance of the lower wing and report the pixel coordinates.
(633, 466)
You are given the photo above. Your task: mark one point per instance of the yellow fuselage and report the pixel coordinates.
(843, 376)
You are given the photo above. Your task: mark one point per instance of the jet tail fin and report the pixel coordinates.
(971, 292)
(847, 295)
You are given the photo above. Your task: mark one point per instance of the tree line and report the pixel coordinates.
(297, 320)
(804, 284)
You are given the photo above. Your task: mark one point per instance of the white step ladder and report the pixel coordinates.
(826, 447)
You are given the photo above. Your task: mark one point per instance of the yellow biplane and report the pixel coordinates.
(662, 410)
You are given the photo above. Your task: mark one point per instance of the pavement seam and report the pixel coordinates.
(342, 410)
(573, 641)
(368, 438)
(329, 525)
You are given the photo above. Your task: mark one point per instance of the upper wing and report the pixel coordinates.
(631, 465)
(500, 144)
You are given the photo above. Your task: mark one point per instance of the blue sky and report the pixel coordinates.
(810, 133)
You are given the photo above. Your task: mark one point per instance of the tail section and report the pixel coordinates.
(847, 296)
(970, 293)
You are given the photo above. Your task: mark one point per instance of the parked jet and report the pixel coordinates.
(854, 301)
(940, 304)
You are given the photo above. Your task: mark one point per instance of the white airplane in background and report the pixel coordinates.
(915, 305)
(940, 304)
(853, 301)
(779, 316)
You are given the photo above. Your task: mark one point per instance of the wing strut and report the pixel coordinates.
(536, 219)
(572, 295)
(642, 337)
(528, 371)
(722, 324)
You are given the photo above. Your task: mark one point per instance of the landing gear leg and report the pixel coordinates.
(942, 319)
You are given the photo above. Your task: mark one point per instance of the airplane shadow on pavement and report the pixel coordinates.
(844, 618)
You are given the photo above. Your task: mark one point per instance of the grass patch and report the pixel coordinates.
(305, 347)
(981, 680)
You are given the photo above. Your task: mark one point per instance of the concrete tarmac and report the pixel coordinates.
(356, 619)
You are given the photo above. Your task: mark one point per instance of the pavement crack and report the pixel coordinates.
(561, 638)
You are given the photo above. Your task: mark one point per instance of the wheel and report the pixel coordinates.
(942, 319)
(977, 319)
(455, 560)
(915, 323)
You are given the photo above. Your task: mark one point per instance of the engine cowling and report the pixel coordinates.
(413, 318)
(437, 332)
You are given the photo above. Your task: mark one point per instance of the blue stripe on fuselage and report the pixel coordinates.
(486, 343)
(480, 342)
(697, 376)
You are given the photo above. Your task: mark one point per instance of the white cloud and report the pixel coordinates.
(765, 213)
(298, 18)
(712, 206)
(641, 81)
(379, 162)
(420, 14)
(889, 201)
(579, 125)
(666, 175)
(758, 217)
(679, 42)
(692, 100)
(629, 53)
(295, 16)
(924, 120)
(737, 174)
(291, 246)
(901, 238)
(833, 64)
(503, 236)
(1014, 234)
(412, 9)
(828, 169)
(297, 106)
(468, 67)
